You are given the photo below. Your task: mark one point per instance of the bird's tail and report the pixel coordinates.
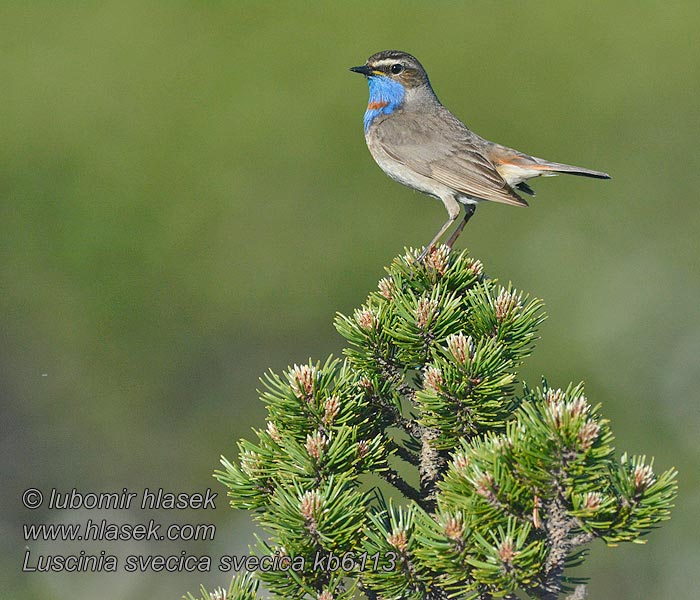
(546, 165)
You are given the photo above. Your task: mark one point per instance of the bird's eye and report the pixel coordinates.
(396, 68)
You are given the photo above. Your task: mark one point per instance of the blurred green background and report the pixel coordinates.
(187, 200)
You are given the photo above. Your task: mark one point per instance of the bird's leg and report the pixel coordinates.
(468, 212)
(453, 208)
(438, 235)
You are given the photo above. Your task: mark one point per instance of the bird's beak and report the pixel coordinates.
(363, 70)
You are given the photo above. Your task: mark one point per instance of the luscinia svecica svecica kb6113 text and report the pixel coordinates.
(418, 142)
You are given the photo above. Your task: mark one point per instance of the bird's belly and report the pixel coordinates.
(408, 177)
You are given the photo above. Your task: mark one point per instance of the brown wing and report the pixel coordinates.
(439, 146)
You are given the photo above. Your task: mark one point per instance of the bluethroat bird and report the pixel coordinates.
(419, 143)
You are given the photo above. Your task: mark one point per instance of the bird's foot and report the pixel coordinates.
(434, 254)
(422, 255)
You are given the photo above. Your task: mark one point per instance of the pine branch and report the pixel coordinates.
(393, 375)
(432, 466)
(511, 484)
(557, 526)
(408, 425)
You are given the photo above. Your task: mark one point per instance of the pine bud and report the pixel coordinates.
(325, 595)
(554, 396)
(366, 384)
(316, 444)
(506, 551)
(386, 288)
(578, 406)
(505, 303)
(302, 381)
(437, 259)
(251, 463)
(587, 434)
(218, 594)
(273, 432)
(398, 539)
(643, 477)
(474, 265)
(425, 311)
(454, 528)
(592, 501)
(366, 319)
(461, 462)
(310, 505)
(362, 449)
(484, 485)
(433, 378)
(502, 444)
(461, 347)
(331, 407)
(556, 412)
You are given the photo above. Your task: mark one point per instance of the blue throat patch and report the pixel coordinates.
(385, 96)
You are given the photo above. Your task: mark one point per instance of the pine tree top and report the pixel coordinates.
(495, 488)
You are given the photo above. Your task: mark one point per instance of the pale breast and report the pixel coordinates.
(406, 176)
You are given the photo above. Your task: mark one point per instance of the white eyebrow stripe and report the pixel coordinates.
(385, 62)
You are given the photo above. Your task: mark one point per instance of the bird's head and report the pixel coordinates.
(395, 78)
(395, 66)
